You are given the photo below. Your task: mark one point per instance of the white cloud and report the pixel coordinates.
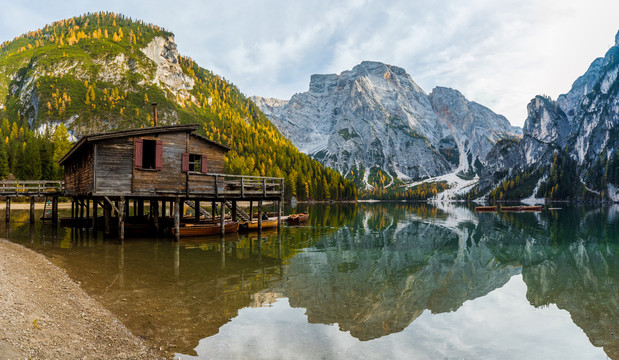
(500, 54)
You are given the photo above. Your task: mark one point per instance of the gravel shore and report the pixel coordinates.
(45, 315)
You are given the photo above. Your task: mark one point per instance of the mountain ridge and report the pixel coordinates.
(375, 122)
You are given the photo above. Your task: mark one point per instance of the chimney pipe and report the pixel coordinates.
(155, 113)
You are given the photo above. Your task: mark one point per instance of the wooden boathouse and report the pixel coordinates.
(166, 166)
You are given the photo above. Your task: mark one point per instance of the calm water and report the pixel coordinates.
(377, 281)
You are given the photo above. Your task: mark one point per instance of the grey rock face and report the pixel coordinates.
(474, 127)
(584, 122)
(375, 115)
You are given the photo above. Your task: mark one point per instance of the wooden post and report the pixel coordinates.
(141, 208)
(54, 209)
(95, 206)
(251, 210)
(155, 209)
(87, 210)
(163, 209)
(260, 216)
(121, 219)
(135, 207)
(234, 215)
(213, 209)
(81, 205)
(177, 220)
(73, 209)
(8, 209)
(279, 214)
(32, 209)
(107, 214)
(181, 207)
(222, 221)
(196, 210)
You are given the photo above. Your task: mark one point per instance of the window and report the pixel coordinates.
(148, 154)
(193, 163)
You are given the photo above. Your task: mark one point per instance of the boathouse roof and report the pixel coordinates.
(137, 132)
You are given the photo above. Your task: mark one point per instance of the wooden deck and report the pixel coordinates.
(216, 186)
(28, 188)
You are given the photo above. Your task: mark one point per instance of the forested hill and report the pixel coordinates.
(102, 71)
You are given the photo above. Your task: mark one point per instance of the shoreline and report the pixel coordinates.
(46, 315)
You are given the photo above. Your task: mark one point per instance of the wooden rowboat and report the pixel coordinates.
(253, 225)
(207, 229)
(485, 209)
(294, 219)
(532, 208)
(521, 208)
(511, 208)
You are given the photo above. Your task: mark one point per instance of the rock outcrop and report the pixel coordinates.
(376, 118)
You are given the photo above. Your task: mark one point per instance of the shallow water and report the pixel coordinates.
(371, 281)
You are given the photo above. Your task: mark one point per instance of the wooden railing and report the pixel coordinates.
(31, 187)
(239, 186)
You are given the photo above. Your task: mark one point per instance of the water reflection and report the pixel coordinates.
(373, 270)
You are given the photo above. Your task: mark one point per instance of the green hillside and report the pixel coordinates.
(92, 73)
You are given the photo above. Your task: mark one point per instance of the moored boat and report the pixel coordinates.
(511, 208)
(253, 225)
(294, 219)
(203, 229)
(485, 209)
(532, 208)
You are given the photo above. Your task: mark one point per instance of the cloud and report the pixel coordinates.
(500, 54)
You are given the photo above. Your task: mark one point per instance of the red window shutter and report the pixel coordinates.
(203, 165)
(139, 151)
(159, 155)
(185, 162)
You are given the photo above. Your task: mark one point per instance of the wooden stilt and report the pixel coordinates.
(234, 210)
(196, 210)
(279, 214)
(135, 207)
(163, 209)
(251, 210)
(107, 213)
(54, 209)
(87, 210)
(73, 216)
(121, 219)
(32, 210)
(177, 220)
(222, 222)
(155, 209)
(141, 208)
(81, 205)
(214, 209)
(8, 209)
(94, 214)
(260, 216)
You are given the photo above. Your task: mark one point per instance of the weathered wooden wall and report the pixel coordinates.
(79, 173)
(114, 166)
(214, 154)
(170, 179)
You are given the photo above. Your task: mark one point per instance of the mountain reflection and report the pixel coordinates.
(376, 278)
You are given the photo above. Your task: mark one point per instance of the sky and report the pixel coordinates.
(497, 53)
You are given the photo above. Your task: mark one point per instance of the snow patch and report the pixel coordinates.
(457, 185)
(532, 200)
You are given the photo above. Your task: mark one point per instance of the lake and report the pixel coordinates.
(369, 280)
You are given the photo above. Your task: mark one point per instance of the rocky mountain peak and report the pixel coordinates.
(375, 119)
